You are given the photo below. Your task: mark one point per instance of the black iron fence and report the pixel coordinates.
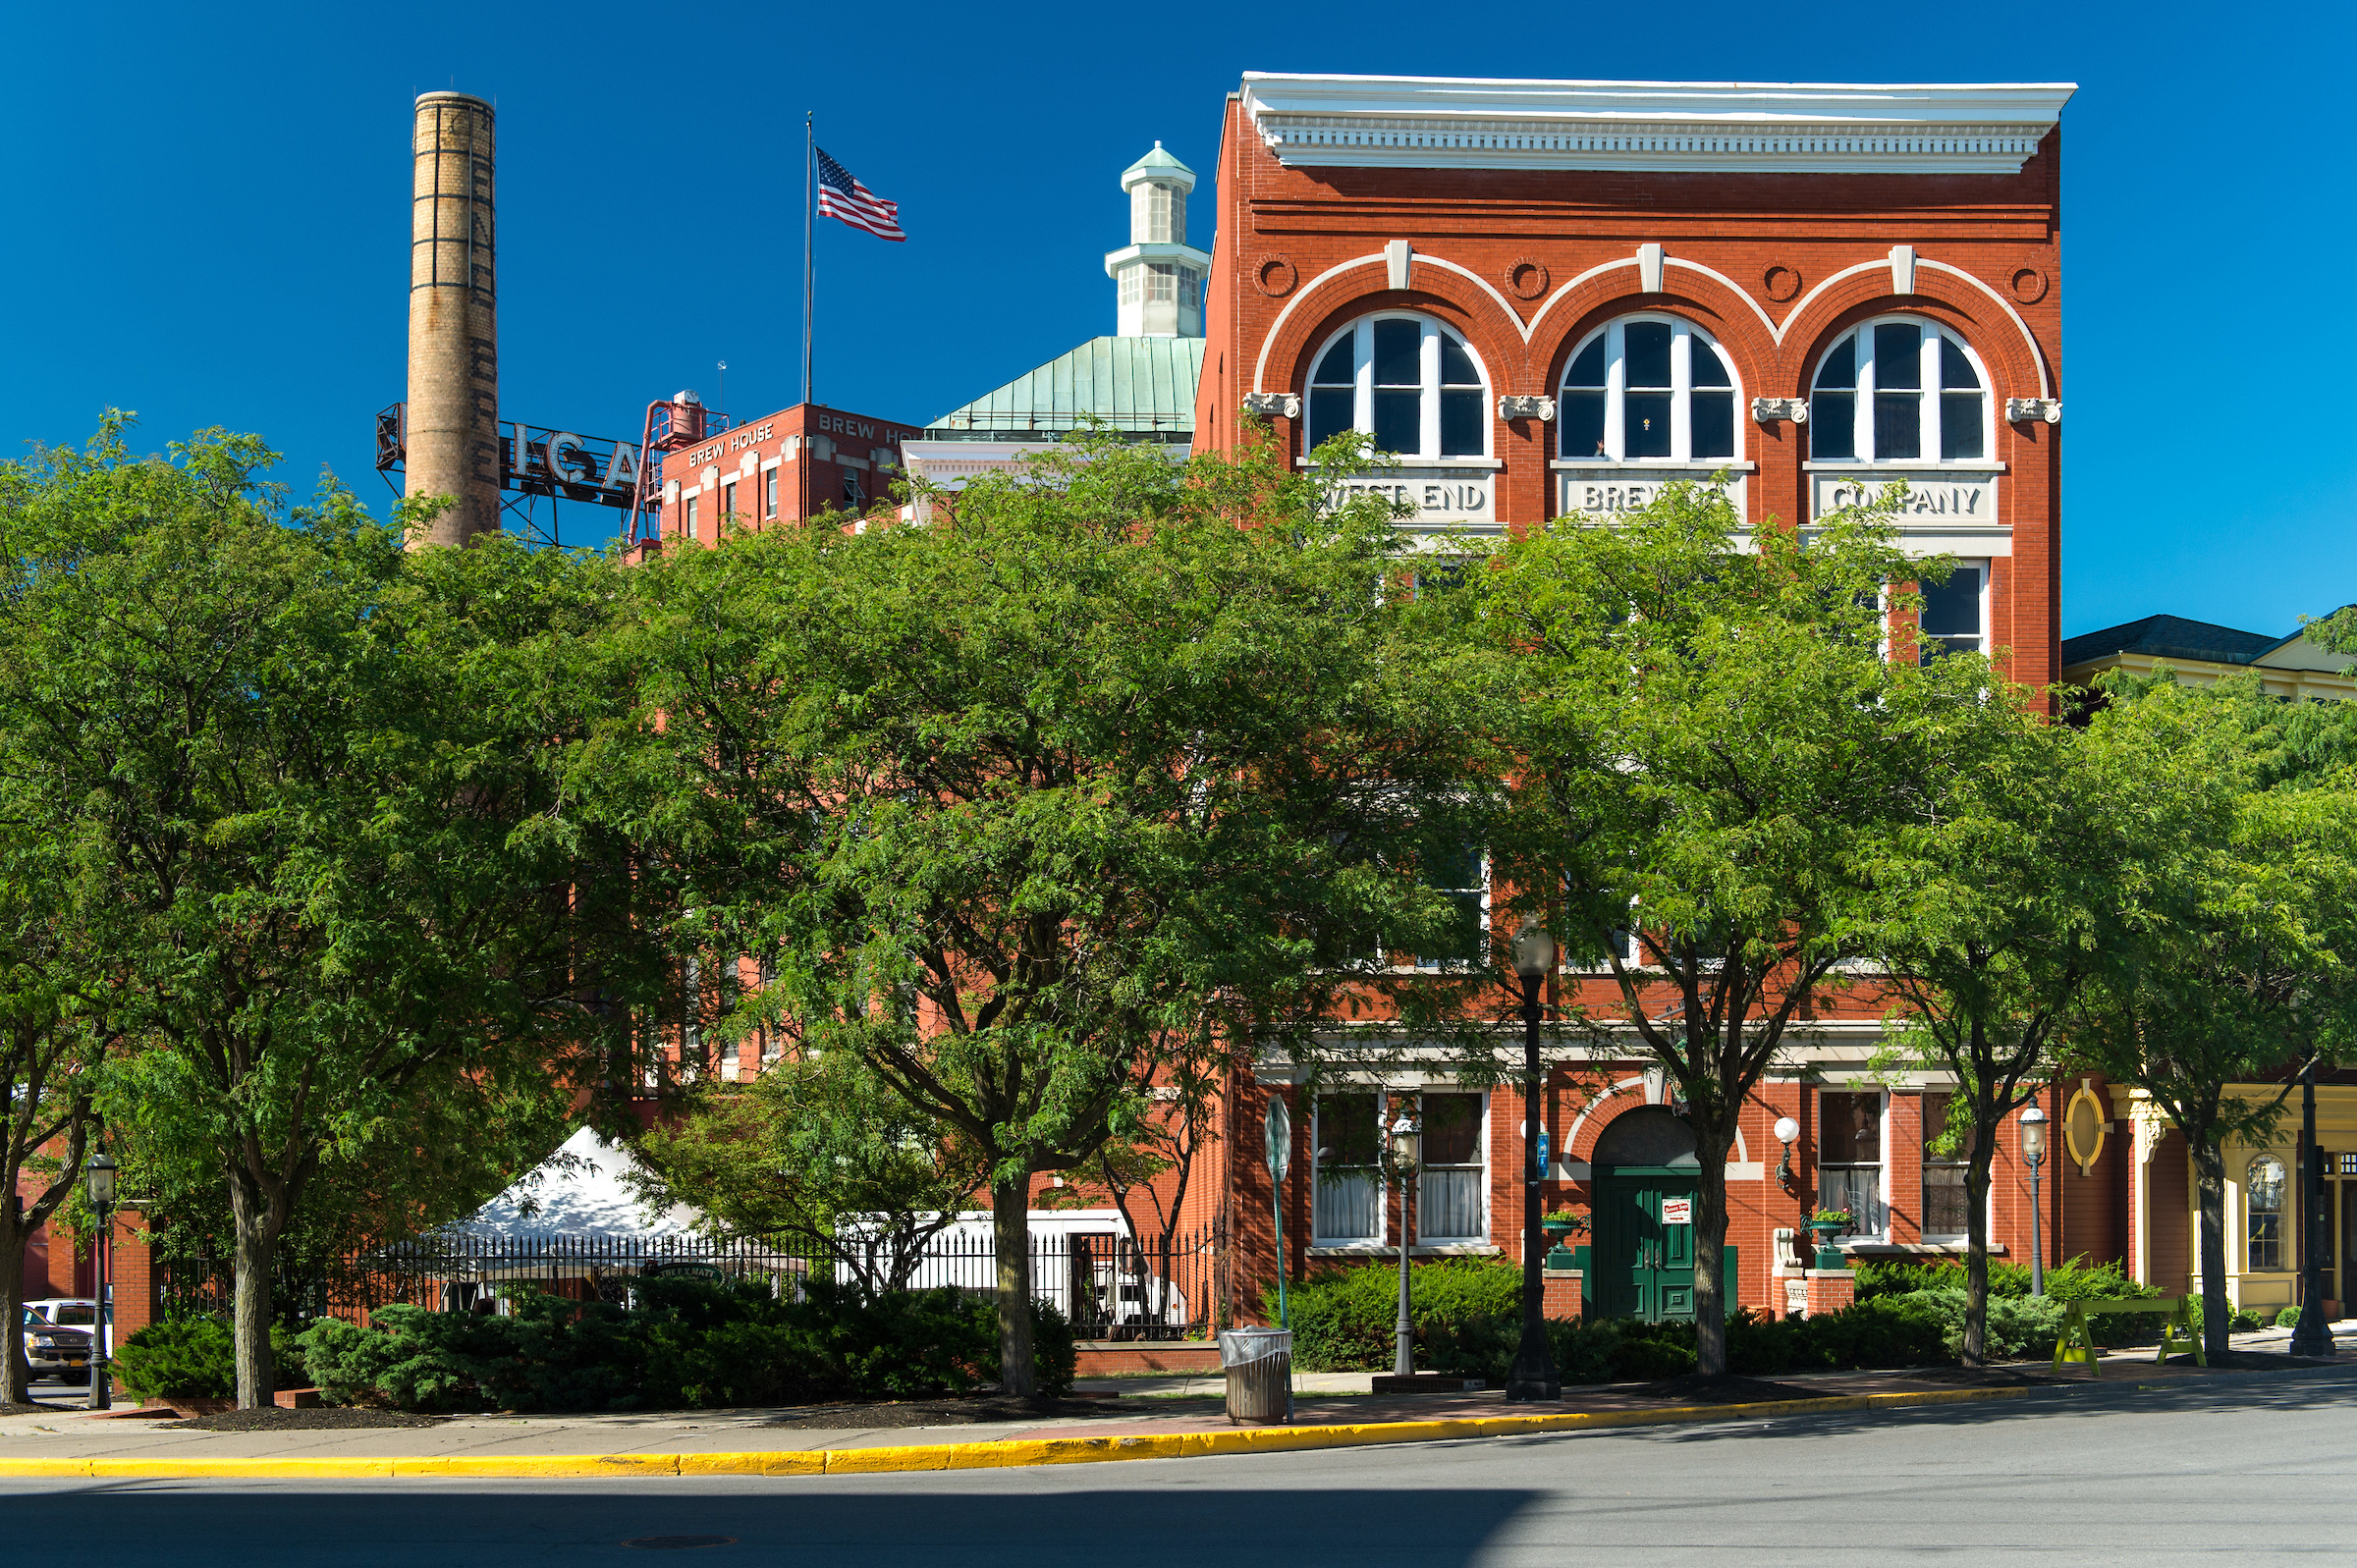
(1108, 1284)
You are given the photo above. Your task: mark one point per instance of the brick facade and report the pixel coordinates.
(1340, 199)
(817, 458)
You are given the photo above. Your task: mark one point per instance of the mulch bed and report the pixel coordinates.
(323, 1418)
(1726, 1389)
(976, 1410)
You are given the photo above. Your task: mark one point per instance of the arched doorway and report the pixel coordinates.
(1644, 1175)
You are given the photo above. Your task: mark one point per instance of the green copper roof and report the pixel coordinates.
(1157, 159)
(1142, 386)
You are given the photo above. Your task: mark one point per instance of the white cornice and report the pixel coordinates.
(1471, 122)
(1156, 250)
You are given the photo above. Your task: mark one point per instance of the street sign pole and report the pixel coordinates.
(1278, 1139)
(1277, 1131)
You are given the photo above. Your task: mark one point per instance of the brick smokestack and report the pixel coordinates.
(452, 435)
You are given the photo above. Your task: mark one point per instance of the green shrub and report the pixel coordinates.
(1342, 1319)
(2075, 1279)
(2289, 1318)
(685, 1342)
(196, 1358)
(2245, 1322)
(1485, 1347)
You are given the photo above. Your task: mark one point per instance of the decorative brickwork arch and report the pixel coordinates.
(1944, 294)
(1445, 289)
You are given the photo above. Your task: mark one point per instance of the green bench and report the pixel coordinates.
(2176, 1312)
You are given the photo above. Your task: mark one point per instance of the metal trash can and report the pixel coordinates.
(1259, 1364)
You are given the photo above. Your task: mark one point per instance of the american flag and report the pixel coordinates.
(842, 197)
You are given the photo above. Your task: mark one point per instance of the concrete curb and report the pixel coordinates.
(1007, 1454)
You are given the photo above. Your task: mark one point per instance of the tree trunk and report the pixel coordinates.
(1983, 1156)
(257, 1226)
(2209, 1171)
(1010, 1231)
(1710, 1249)
(15, 1379)
(1974, 1349)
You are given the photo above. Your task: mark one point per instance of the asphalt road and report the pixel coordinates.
(2265, 1467)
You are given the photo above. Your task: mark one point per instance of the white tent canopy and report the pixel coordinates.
(577, 1193)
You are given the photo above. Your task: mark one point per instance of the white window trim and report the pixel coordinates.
(1882, 1230)
(1486, 1174)
(1944, 1239)
(1928, 426)
(1987, 580)
(1383, 1223)
(1681, 387)
(1362, 373)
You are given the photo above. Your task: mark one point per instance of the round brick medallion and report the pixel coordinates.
(2029, 286)
(1781, 283)
(1527, 278)
(1276, 277)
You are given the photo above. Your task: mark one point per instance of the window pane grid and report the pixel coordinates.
(1411, 383)
(1644, 389)
(1898, 392)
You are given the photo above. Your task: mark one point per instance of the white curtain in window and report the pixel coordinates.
(1349, 1206)
(1450, 1204)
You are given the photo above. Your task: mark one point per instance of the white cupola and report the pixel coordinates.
(1159, 274)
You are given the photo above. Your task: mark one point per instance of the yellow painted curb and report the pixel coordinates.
(1008, 1453)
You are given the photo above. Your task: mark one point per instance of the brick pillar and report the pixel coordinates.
(1562, 1293)
(1831, 1290)
(133, 1271)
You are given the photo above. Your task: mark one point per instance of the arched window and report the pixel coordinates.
(1898, 391)
(2265, 1193)
(1648, 387)
(1408, 381)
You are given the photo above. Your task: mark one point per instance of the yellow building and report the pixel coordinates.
(2201, 652)
(2261, 1213)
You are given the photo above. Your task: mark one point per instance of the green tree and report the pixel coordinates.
(816, 1152)
(2241, 949)
(1999, 897)
(1710, 748)
(51, 1050)
(1017, 797)
(347, 908)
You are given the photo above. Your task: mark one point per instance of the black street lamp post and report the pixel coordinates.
(2311, 1335)
(1403, 1153)
(2033, 1153)
(1533, 1375)
(98, 1184)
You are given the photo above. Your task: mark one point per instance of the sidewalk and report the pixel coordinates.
(1175, 1421)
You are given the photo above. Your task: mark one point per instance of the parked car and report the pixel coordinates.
(52, 1350)
(71, 1311)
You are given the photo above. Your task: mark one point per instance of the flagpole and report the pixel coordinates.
(810, 262)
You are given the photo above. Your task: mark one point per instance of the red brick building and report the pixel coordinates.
(794, 463)
(1549, 298)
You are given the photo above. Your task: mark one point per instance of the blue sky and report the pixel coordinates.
(210, 219)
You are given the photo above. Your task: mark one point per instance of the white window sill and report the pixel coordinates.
(1917, 1249)
(1899, 465)
(1701, 466)
(1404, 462)
(1422, 1249)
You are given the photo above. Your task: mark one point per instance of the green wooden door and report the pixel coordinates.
(1644, 1249)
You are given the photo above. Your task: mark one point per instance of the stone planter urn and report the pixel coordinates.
(1561, 1232)
(1828, 1256)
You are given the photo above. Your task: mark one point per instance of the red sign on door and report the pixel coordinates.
(1678, 1211)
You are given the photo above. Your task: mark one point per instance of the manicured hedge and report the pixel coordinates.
(688, 1342)
(196, 1358)
(1344, 1318)
(1468, 1319)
